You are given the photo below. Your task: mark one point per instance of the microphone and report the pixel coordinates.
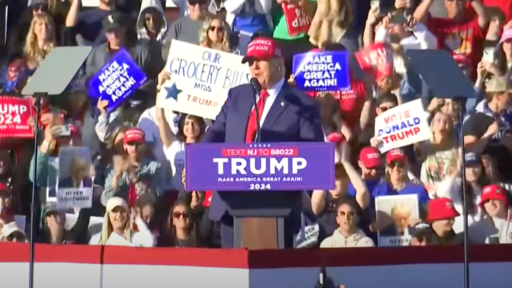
(256, 87)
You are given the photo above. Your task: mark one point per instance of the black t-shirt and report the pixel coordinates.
(477, 125)
(451, 239)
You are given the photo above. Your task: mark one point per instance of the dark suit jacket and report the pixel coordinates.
(293, 117)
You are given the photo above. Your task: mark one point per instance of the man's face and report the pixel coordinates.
(454, 7)
(115, 37)
(503, 100)
(346, 218)
(196, 7)
(152, 20)
(261, 70)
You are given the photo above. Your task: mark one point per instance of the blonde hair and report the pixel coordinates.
(78, 163)
(400, 211)
(204, 40)
(33, 52)
(107, 229)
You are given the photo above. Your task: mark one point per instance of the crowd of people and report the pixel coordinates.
(138, 150)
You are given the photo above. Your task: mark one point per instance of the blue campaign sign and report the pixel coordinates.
(117, 80)
(274, 166)
(321, 71)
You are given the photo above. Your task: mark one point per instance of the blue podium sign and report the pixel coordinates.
(321, 71)
(270, 166)
(117, 80)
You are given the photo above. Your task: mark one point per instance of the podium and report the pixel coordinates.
(260, 185)
(259, 217)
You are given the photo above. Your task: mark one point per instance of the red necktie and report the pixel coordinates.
(252, 125)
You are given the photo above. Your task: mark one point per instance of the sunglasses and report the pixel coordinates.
(215, 28)
(396, 164)
(178, 215)
(347, 214)
(134, 144)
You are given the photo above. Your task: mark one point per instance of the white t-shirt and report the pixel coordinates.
(176, 156)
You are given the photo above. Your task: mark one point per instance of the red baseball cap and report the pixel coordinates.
(396, 155)
(134, 135)
(493, 192)
(262, 48)
(440, 209)
(370, 157)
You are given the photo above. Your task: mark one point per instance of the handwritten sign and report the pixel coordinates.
(117, 80)
(201, 78)
(321, 71)
(403, 125)
(297, 19)
(69, 198)
(377, 59)
(275, 166)
(14, 115)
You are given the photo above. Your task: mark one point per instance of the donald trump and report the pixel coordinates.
(286, 115)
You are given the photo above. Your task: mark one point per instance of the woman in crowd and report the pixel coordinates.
(495, 227)
(190, 130)
(126, 225)
(181, 228)
(40, 40)
(347, 234)
(56, 9)
(215, 34)
(145, 207)
(439, 155)
(451, 188)
(397, 180)
(503, 53)
(12, 233)
(131, 168)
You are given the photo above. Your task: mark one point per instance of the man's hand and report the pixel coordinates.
(372, 16)
(51, 119)
(492, 129)
(183, 179)
(51, 133)
(375, 142)
(402, 4)
(434, 104)
(102, 106)
(196, 200)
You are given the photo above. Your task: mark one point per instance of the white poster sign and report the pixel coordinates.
(69, 198)
(75, 187)
(201, 78)
(402, 125)
(395, 213)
